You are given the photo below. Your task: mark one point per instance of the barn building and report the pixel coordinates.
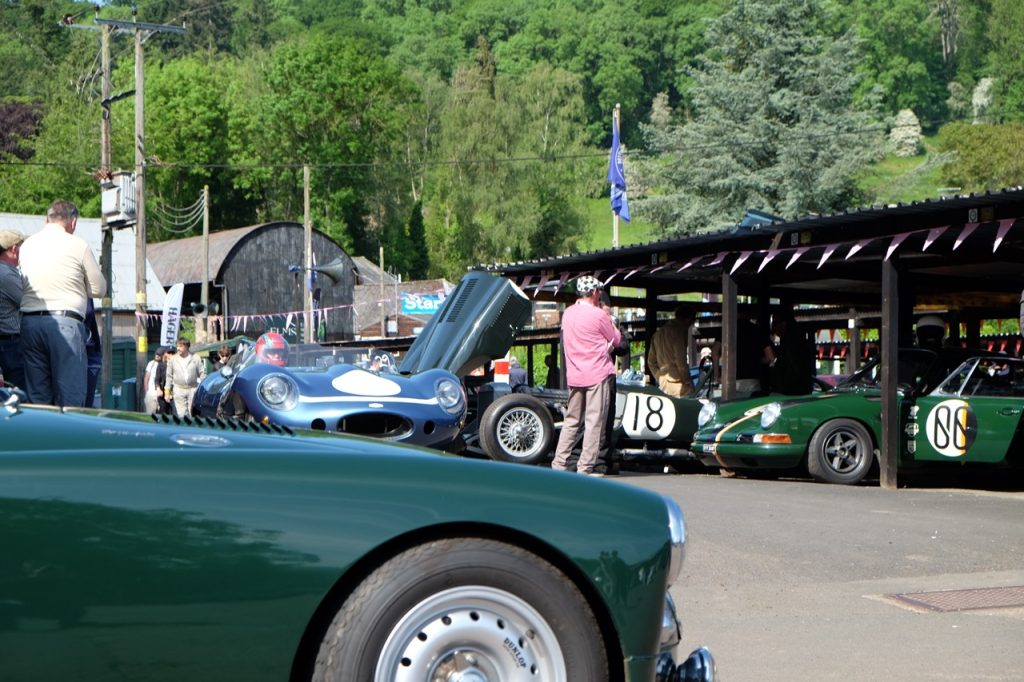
(252, 287)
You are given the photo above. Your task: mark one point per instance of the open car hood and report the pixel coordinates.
(477, 323)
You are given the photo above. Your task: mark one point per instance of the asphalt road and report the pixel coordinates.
(788, 579)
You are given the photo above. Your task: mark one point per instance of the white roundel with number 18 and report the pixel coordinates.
(648, 416)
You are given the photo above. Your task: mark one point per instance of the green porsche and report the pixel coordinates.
(153, 548)
(972, 414)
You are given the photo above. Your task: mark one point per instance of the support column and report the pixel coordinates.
(889, 340)
(729, 332)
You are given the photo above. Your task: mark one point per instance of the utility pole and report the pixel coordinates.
(383, 303)
(141, 333)
(106, 258)
(142, 342)
(104, 175)
(204, 292)
(307, 257)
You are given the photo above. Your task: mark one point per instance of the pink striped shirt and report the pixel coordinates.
(587, 335)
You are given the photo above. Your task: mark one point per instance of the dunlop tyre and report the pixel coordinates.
(417, 615)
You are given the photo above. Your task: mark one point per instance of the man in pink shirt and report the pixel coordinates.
(588, 335)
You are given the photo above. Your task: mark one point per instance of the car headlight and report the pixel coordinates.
(677, 535)
(278, 391)
(770, 414)
(707, 413)
(449, 395)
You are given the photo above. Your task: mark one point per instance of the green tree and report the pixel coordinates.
(987, 157)
(419, 257)
(1006, 59)
(187, 138)
(774, 126)
(901, 63)
(331, 102)
(484, 208)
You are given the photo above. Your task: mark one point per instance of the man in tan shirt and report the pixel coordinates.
(184, 372)
(60, 274)
(667, 357)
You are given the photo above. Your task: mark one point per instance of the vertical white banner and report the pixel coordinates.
(170, 321)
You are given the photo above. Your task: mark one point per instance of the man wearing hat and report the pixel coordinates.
(12, 365)
(588, 337)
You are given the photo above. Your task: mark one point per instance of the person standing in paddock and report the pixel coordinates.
(12, 362)
(588, 336)
(60, 276)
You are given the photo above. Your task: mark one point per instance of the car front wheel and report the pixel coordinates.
(517, 428)
(463, 609)
(840, 452)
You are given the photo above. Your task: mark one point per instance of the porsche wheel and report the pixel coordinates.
(517, 428)
(463, 609)
(840, 452)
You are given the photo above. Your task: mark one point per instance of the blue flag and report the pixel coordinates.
(617, 176)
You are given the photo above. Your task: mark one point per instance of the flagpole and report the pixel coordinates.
(615, 216)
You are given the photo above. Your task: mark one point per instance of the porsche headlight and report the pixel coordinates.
(278, 391)
(707, 413)
(449, 395)
(677, 535)
(770, 414)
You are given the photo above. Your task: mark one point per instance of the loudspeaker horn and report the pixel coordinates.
(334, 270)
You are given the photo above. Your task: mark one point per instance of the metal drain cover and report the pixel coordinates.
(963, 600)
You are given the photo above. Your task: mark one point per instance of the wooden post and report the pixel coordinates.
(141, 344)
(853, 356)
(204, 292)
(107, 255)
(307, 258)
(730, 328)
(889, 340)
(383, 308)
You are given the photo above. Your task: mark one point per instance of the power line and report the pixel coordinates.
(454, 162)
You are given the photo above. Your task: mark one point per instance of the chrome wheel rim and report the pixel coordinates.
(471, 634)
(519, 432)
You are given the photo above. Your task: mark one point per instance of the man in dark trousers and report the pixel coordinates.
(60, 275)
(12, 364)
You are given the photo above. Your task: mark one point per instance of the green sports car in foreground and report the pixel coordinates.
(972, 414)
(142, 548)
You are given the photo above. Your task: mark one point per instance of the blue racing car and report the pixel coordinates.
(334, 389)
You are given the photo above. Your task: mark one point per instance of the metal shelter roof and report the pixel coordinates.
(963, 251)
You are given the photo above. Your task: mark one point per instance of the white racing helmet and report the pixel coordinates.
(930, 330)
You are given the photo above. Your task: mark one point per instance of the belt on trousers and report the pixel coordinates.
(56, 313)
(8, 337)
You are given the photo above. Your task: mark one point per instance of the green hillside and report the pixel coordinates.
(892, 180)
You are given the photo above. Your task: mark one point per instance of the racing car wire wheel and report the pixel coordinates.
(465, 608)
(517, 428)
(840, 451)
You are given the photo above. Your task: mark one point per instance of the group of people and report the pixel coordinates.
(785, 365)
(171, 380)
(591, 339)
(49, 341)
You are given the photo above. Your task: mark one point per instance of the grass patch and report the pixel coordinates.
(599, 227)
(895, 180)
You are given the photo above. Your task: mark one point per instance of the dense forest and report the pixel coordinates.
(454, 132)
